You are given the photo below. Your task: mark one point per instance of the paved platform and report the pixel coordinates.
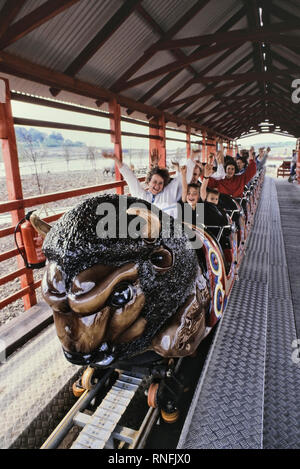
(29, 380)
(248, 393)
(289, 207)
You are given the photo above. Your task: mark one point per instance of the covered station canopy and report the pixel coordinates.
(223, 66)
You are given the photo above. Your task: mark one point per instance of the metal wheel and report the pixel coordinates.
(170, 417)
(86, 380)
(77, 388)
(152, 395)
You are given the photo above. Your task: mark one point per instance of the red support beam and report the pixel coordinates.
(188, 141)
(116, 138)
(13, 181)
(204, 148)
(158, 144)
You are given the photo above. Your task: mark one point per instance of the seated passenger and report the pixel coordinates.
(192, 164)
(208, 194)
(242, 164)
(190, 196)
(233, 184)
(262, 157)
(161, 191)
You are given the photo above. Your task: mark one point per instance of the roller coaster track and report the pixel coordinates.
(101, 429)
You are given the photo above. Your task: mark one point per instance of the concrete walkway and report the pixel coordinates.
(289, 207)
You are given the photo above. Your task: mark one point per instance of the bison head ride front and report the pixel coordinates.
(121, 281)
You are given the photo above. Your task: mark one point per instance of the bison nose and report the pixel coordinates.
(54, 287)
(102, 285)
(121, 295)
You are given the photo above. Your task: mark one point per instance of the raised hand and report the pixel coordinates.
(194, 154)
(211, 158)
(208, 170)
(154, 157)
(220, 157)
(176, 165)
(183, 170)
(111, 156)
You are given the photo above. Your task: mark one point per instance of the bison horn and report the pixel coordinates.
(39, 225)
(152, 228)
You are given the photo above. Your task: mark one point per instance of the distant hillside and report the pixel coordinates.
(37, 138)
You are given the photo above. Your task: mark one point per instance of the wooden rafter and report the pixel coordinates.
(204, 116)
(20, 67)
(211, 66)
(177, 65)
(220, 89)
(181, 64)
(254, 22)
(232, 69)
(195, 9)
(253, 76)
(34, 19)
(99, 40)
(165, 80)
(251, 34)
(234, 115)
(8, 13)
(102, 36)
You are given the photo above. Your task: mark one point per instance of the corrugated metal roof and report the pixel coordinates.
(167, 12)
(58, 41)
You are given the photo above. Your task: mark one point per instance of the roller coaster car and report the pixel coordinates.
(139, 298)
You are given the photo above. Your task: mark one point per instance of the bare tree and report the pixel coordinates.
(67, 156)
(91, 154)
(31, 153)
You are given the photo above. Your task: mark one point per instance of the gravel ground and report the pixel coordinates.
(53, 182)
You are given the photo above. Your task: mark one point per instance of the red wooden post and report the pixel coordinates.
(230, 148)
(214, 147)
(298, 161)
(116, 137)
(13, 179)
(204, 149)
(158, 144)
(188, 141)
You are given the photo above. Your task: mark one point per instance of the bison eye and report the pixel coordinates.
(121, 295)
(161, 259)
